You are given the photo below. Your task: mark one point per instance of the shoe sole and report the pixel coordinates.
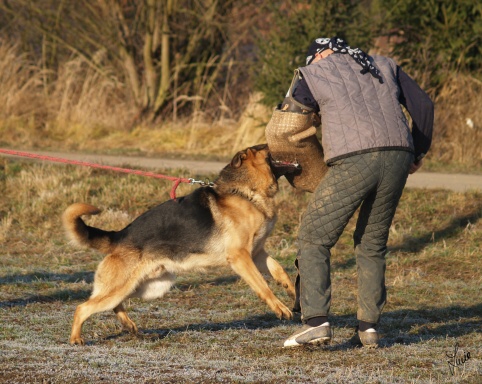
(355, 340)
(320, 341)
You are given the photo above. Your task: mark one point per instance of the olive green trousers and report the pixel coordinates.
(374, 182)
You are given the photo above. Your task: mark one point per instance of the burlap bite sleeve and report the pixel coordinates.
(292, 137)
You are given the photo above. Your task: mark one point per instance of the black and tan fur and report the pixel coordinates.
(226, 224)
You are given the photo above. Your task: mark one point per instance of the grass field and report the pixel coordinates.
(212, 327)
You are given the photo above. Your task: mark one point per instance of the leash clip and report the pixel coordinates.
(203, 183)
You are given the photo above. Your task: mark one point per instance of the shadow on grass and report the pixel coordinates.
(46, 277)
(453, 229)
(404, 327)
(88, 277)
(415, 326)
(63, 295)
(419, 325)
(265, 321)
(84, 294)
(344, 265)
(417, 244)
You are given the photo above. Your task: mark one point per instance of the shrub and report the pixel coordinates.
(293, 26)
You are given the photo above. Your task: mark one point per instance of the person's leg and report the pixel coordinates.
(340, 193)
(371, 236)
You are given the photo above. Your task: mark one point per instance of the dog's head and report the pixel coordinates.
(256, 154)
(262, 153)
(254, 168)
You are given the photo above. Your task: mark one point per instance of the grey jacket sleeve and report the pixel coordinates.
(303, 95)
(421, 110)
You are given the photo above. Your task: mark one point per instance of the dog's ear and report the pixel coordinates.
(238, 159)
(259, 147)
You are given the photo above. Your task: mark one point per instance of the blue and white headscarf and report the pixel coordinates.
(338, 45)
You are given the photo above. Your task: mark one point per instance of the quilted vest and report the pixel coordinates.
(358, 113)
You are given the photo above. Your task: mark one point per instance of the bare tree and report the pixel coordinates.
(169, 52)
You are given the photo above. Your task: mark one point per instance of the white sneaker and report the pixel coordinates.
(307, 334)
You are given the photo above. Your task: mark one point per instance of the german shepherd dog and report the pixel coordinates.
(226, 224)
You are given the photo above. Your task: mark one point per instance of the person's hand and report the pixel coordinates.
(414, 167)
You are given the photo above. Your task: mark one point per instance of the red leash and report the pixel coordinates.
(172, 194)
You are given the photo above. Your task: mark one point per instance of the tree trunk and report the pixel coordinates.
(149, 67)
(165, 79)
(126, 54)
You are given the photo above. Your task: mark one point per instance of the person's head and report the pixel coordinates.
(321, 55)
(319, 49)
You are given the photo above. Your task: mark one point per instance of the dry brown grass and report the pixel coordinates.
(86, 105)
(459, 122)
(80, 105)
(20, 82)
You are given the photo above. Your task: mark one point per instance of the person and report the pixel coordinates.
(369, 149)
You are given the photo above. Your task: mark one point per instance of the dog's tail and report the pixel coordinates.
(80, 233)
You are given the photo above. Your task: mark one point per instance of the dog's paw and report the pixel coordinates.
(77, 341)
(129, 326)
(133, 329)
(288, 315)
(283, 312)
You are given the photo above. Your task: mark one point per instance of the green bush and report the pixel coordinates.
(434, 39)
(294, 25)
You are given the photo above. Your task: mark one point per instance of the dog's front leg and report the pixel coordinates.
(241, 262)
(267, 265)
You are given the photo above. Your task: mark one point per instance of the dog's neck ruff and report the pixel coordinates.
(265, 205)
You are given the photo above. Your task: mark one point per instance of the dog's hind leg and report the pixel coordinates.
(112, 285)
(99, 303)
(243, 265)
(124, 319)
(267, 265)
(149, 289)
